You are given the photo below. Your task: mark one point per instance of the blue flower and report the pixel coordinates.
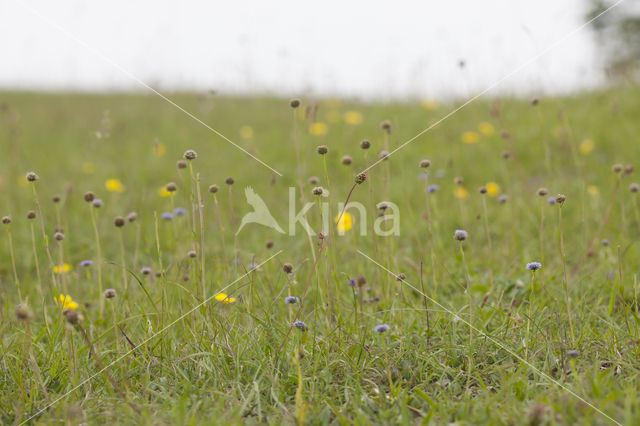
(534, 266)
(97, 203)
(381, 328)
(300, 325)
(86, 263)
(292, 300)
(167, 216)
(432, 188)
(460, 235)
(179, 211)
(551, 200)
(352, 283)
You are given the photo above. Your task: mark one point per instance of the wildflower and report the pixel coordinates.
(114, 185)
(634, 187)
(432, 188)
(119, 221)
(486, 128)
(145, 270)
(493, 189)
(534, 266)
(322, 235)
(318, 190)
(213, 188)
(192, 254)
(430, 105)
(222, 297)
(131, 217)
(31, 214)
(573, 353)
(167, 216)
(229, 181)
(561, 198)
(32, 177)
(586, 146)
(89, 196)
(55, 198)
(503, 198)
(461, 193)
(384, 155)
(551, 200)
(361, 281)
(300, 325)
(179, 211)
(318, 129)
(460, 235)
(605, 243)
(360, 178)
(171, 187)
(458, 180)
(617, 168)
(269, 244)
(346, 160)
(381, 328)
(470, 137)
(401, 276)
(322, 149)
(190, 155)
(313, 180)
(425, 164)
(543, 191)
(71, 316)
(352, 117)
(483, 190)
(344, 223)
(294, 103)
(65, 302)
(365, 144)
(386, 126)
(61, 269)
(163, 192)
(86, 263)
(287, 268)
(109, 293)
(6, 220)
(352, 283)
(181, 164)
(593, 190)
(291, 300)
(97, 203)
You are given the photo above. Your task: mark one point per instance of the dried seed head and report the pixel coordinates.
(313, 180)
(535, 101)
(71, 316)
(617, 168)
(132, 217)
(269, 244)
(317, 190)
(229, 181)
(192, 253)
(360, 178)
(22, 312)
(634, 187)
(483, 190)
(401, 277)
(109, 293)
(628, 169)
(322, 149)
(365, 144)
(171, 187)
(145, 271)
(213, 188)
(425, 164)
(287, 268)
(294, 103)
(506, 155)
(6, 220)
(190, 155)
(458, 180)
(185, 277)
(346, 160)
(361, 281)
(505, 134)
(386, 126)
(31, 214)
(119, 221)
(561, 198)
(55, 198)
(89, 196)
(59, 236)
(181, 164)
(543, 191)
(32, 177)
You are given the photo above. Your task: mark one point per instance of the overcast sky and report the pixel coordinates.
(333, 47)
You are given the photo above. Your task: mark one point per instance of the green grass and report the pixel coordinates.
(242, 362)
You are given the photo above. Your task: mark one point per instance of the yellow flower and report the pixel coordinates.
(65, 302)
(333, 116)
(114, 185)
(163, 192)
(346, 222)
(61, 269)
(461, 193)
(470, 137)
(486, 128)
(586, 146)
(493, 189)
(318, 129)
(159, 150)
(430, 105)
(593, 190)
(246, 132)
(222, 297)
(352, 117)
(88, 168)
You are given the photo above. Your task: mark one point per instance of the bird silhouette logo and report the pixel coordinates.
(260, 213)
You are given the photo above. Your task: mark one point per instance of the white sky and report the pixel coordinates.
(332, 47)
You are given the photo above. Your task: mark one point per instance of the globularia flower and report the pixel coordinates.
(460, 235)
(551, 200)
(352, 283)
(573, 353)
(432, 188)
(179, 211)
(300, 325)
(97, 203)
(534, 266)
(381, 328)
(292, 300)
(86, 263)
(167, 216)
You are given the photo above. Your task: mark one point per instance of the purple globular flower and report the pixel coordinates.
(573, 353)
(432, 188)
(291, 300)
(86, 263)
(460, 235)
(534, 266)
(167, 216)
(179, 211)
(352, 283)
(300, 325)
(381, 328)
(551, 200)
(97, 203)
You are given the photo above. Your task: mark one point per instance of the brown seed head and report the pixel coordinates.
(59, 236)
(317, 190)
(483, 190)
(190, 155)
(386, 126)
(89, 196)
(22, 312)
(181, 164)
(32, 177)
(561, 198)
(617, 168)
(171, 187)
(287, 268)
(543, 191)
(71, 316)
(346, 160)
(55, 198)
(132, 217)
(192, 254)
(365, 144)
(294, 103)
(229, 181)
(31, 214)
(634, 187)
(6, 220)
(269, 244)
(425, 164)
(119, 221)
(313, 180)
(109, 293)
(458, 180)
(360, 178)
(213, 188)
(322, 149)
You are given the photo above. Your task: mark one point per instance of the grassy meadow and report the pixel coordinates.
(165, 316)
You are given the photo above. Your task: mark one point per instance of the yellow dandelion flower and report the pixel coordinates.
(586, 146)
(333, 116)
(159, 150)
(461, 193)
(114, 185)
(493, 189)
(346, 222)
(318, 129)
(222, 297)
(163, 192)
(61, 269)
(65, 302)
(486, 128)
(470, 137)
(430, 105)
(593, 190)
(246, 132)
(352, 117)
(88, 168)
